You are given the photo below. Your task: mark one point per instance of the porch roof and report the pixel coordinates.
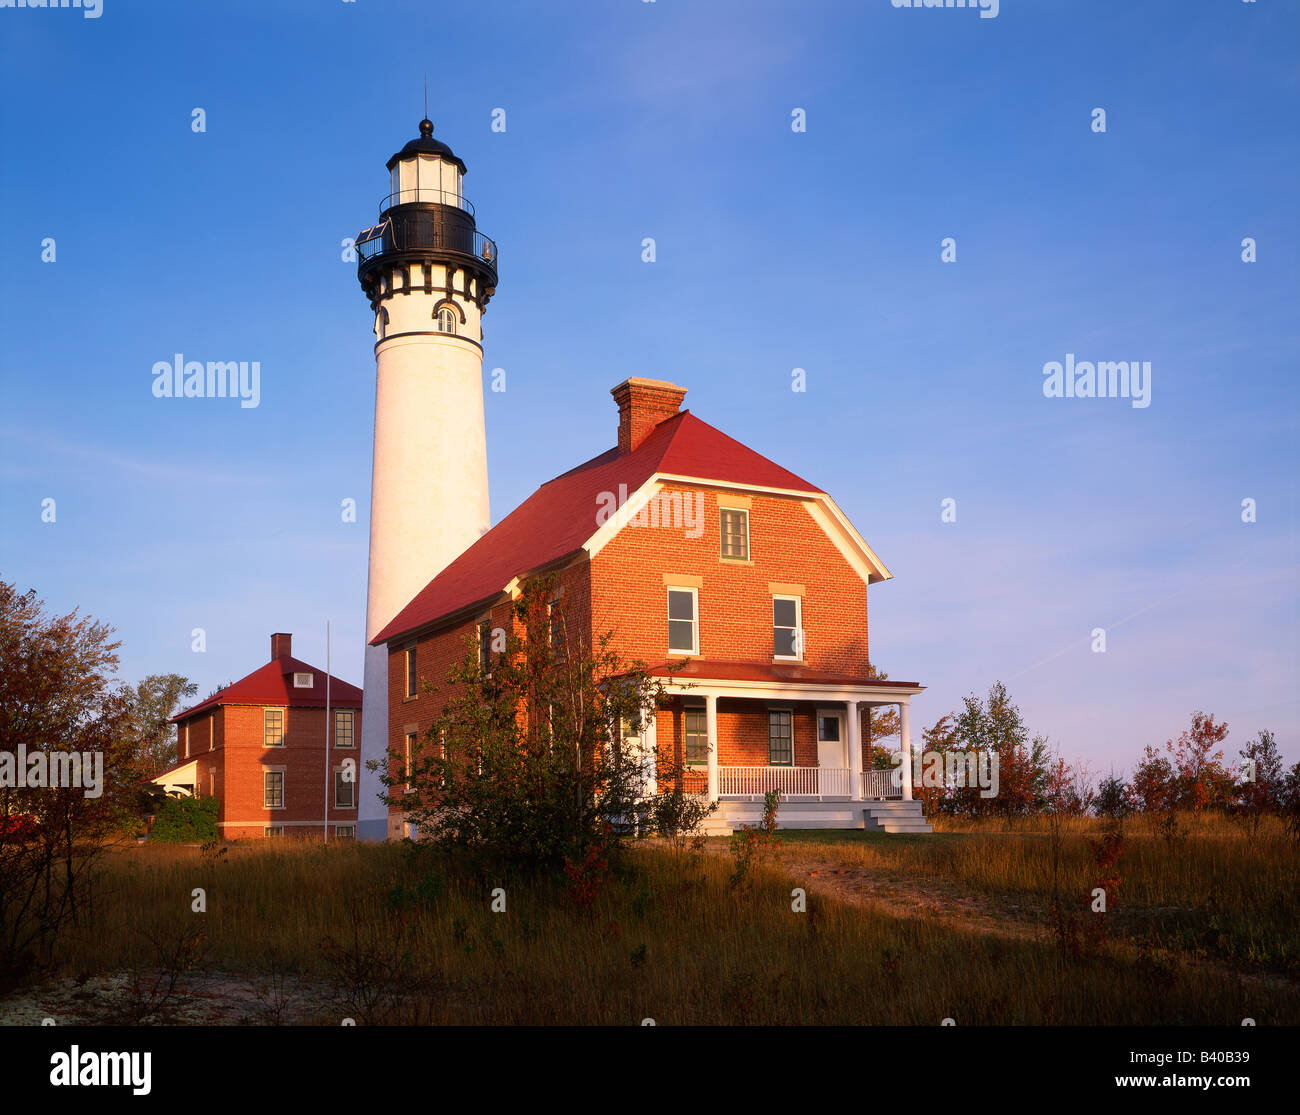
(184, 773)
(703, 669)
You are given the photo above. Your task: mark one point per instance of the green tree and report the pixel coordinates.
(1288, 800)
(1262, 775)
(995, 724)
(940, 739)
(1112, 798)
(526, 767)
(151, 704)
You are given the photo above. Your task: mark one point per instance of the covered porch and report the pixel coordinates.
(744, 730)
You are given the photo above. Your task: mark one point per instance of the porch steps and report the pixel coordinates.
(874, 816)
(895, 816)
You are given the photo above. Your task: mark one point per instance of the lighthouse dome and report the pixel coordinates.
(426, 145)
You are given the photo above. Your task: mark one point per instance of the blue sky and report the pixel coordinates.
(775, 250)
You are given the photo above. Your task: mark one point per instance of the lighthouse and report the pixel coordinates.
(428, 274)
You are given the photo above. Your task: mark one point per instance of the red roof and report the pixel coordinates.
(559, 518)
(697, 668)
(272, 684)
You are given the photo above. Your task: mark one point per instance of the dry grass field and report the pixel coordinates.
(897, 930)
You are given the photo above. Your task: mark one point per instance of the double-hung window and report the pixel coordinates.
(273, 727)
(696, 735)
(408, 766)
(787, 627)
(273, 789)
(344, 796)
(780, 738)
(343, 728)
(683, 621)
(412, 679)
(734, 526)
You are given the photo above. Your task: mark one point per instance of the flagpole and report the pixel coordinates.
(327, 731)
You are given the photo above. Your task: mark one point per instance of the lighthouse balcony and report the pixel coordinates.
(416, 230)
(426, 194)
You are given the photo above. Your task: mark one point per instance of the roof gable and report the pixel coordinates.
(558, 519)
(272, 684)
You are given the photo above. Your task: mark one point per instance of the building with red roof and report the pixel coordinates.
(686, 546)
(277, 748)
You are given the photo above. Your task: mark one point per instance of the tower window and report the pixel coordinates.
(446, 320)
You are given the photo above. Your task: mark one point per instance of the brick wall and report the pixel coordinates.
(787, 546)
(239, 758)
(742, 731)
(622, 591)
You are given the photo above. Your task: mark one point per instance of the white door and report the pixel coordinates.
(832, 750)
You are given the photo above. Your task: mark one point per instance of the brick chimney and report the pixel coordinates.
(642, 405)
(281, 645)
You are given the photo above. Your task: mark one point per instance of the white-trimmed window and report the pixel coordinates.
(412, 679)
(695, 734)
(343, 728)
(485, 646)
(787, 627)
(272, 727)
(733, 524)
(345, 832)
(780, 737)
(683, 621)
(303, 680)
(408, 762)
(446, 320)
(273, 789)
(273, 830)
(344, 791)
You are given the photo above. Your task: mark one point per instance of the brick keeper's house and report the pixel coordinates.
(259, 747)
(720, 557)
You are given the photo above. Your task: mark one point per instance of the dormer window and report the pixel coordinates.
(303, 681)
(446, 320)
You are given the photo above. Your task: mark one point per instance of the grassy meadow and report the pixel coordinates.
(948, 925)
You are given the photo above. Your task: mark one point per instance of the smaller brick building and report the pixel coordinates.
(259, 746)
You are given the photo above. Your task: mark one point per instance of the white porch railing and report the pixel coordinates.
(878, 785)
(793, 782)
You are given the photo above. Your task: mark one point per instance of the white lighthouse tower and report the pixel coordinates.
(428, 273)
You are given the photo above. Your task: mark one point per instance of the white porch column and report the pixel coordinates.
(855, 752)
(905, 737)
(650, 751)
(711, 722)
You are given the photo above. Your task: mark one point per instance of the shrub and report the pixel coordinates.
(185, 821)
(528, 766)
